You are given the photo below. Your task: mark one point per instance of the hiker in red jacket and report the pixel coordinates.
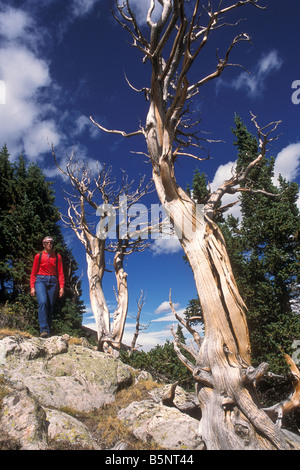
(47, 282)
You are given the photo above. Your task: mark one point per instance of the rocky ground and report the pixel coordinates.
(57, 393)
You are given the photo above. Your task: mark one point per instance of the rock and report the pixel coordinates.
(39, 377)
(32, 348)
(166, 426)
(59, 375)
(22, 418)
(186, 402)
(143, 375)
(65, 430)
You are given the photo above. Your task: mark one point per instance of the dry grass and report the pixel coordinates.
(11, 332)
(76, 341)
(108, 429)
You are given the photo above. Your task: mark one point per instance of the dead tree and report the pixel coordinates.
(231, 414)
(138, 325)
(93, 206)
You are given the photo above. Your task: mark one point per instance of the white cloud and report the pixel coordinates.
(31, 119)
(13, 23)
(83, 123)
(269, 63)
(254, 83)
(38, 139)
(165, 307)
(25, 118)
(223, 173)
(287, 163)
(82, 7)
(149, 339)
(141, 8)
(166, 246)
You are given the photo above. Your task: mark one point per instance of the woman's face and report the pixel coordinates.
(48, 246)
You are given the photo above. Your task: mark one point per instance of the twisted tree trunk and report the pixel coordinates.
(231, 414)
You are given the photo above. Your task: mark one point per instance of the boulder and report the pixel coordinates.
(66, 431)
(42, 379)
(168, 427)
(61, 375)
(22, 419)
(186, 402)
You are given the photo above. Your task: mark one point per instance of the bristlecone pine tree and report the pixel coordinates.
(97, 191)
(231, 415)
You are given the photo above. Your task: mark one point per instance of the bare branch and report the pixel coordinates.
(232, 186)
(144, 90)
(176, 153)
(111, 131)
(177, 345)
(139, 40)
(186, 324)
(138, 326)
(222, 63)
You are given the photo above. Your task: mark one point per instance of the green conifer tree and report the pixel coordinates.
(27, 214)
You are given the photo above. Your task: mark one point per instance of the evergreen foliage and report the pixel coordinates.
(163, 364)
(27, 214)
(199, 187)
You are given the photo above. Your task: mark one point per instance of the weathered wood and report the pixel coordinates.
(292, 402)
(95, 271)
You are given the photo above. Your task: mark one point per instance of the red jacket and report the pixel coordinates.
(47, 268)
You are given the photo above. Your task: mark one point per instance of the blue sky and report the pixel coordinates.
(62, 61)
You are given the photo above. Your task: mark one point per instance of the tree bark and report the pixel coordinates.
(231, 415)
(95, 271)
(120, 313)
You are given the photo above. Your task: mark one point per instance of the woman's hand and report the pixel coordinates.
(32, 292)
(61, 292)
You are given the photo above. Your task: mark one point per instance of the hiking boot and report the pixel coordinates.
(44, 334)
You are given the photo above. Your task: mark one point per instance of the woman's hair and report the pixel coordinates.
(48, 239)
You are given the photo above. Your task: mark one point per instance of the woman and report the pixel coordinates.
(46, 282)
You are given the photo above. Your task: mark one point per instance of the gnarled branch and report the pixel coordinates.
(285, 407)
(233, 185)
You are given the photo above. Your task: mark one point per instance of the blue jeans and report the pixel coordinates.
(46, 288)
